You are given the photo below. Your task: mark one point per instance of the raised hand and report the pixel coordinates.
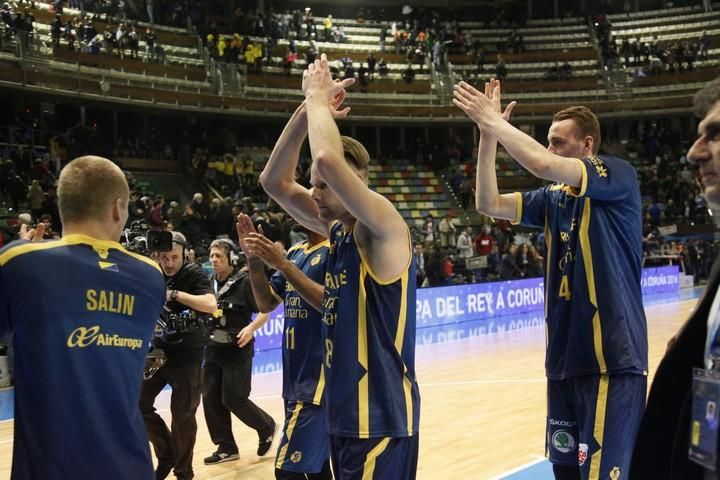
(479, 107)
(245, 228)
(317, 80)
(492, 91)
(272, 254)
(337, 101)
(33, 234)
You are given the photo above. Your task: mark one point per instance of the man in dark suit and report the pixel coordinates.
(661, 448)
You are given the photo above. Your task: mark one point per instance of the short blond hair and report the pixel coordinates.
(355, 154)
(88, 187)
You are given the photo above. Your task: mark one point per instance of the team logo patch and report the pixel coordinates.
(296, 456)
(315, 260)
(582, 453)
(563, 441)
(615, 473)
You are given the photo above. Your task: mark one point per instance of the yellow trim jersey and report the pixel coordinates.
(593, 235)
(82, 313)
(302, 353)
(369, 339)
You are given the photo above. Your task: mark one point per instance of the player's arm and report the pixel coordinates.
(529, 153)
(278, 176)
(488, 200)
(261, 246)
(265, 297)
(369, 208)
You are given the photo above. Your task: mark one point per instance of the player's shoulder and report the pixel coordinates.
(140, 261)
(23, 248)
(612, 161)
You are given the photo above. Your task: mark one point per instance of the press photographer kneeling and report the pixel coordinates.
(228, 368)
(182, 337)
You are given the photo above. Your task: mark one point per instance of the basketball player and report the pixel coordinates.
(83, 310)
(596, 359)
(371, 395)
(304, 451)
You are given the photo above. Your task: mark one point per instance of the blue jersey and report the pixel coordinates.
(302, 351)
(369, 335)
(82, 312)
(593, 300)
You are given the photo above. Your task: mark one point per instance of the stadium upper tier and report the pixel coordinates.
(188, 75)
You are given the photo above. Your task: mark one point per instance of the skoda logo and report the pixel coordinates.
(563, 441)
(83, 337)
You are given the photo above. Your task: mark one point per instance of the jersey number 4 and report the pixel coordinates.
(565, 288)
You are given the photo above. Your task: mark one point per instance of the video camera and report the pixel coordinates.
(140, 238)
(171, 325)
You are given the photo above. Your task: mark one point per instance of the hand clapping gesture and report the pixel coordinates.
(481, 108)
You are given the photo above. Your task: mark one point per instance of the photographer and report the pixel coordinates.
(228, 367)
(189, 295)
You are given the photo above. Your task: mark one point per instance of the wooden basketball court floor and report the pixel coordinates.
(483, 406)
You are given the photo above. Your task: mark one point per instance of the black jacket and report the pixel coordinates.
(661, 448)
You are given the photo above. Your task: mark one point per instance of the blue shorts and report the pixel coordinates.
(381, 458)
(304, 447)
(593, 421)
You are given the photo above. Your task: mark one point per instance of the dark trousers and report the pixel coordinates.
(174, 448)
(226, 389)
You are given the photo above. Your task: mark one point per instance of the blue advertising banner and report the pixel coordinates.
(462, 311)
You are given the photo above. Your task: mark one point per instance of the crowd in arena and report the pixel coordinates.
(652, 57)
(671, 195)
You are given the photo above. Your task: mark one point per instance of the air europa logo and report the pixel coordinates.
(83, 337)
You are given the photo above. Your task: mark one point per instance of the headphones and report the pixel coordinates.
(231, 250)
(179, 239)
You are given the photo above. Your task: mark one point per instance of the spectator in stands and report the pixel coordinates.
(371, 61)
(382, 67)
(156, 213)
(703, 44)
(508, 266)
(526, 262)
(200, 206)
(419, 264)
(56, 30)
(363, 76)
(467, 187)
(484, 242)
(429, 231)
(35, 198)
(349, 71)
(500, 68)
(464, 243)
(408, 74)
(339, 34)
(447, 229)
(133, 42)
(328, 24)
(290, 58)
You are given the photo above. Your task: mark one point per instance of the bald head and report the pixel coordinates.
(89, 188)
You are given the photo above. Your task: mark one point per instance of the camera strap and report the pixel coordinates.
(234, 278)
